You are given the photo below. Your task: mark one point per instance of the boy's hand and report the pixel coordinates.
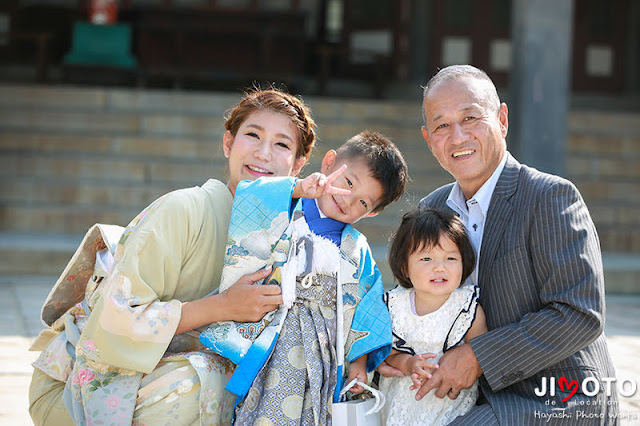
(358, 369)
(318, 184)
(387, 370)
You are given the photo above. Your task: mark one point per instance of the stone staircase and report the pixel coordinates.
(71, 157)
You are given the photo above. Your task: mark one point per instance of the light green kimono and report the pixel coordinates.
(123, 372)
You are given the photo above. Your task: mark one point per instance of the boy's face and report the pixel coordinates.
(366, 191)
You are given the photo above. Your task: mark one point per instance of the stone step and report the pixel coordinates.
(57, 205)
(113, 99)
(133, 147)
(213, 104)
(74, 156)
(49, 149)
(621, 272)
(48, 192)
(605, 146)
(612, 124)
(36, 254)
(109, 169)
(96, 124)
(60, 218)
(56, 151)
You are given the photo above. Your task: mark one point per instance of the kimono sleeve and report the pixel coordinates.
(134, 320)
(259, 202)
(371, 319)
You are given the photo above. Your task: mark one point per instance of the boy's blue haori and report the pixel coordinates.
(260, 235)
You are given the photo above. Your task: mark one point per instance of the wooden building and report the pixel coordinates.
(378, 41)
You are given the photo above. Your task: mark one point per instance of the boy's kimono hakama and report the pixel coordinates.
(290, 365)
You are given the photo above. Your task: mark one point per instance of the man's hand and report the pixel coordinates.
(250, 303)
(459, 369)
(317, 184)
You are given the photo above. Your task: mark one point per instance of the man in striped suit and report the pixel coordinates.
(539, 270)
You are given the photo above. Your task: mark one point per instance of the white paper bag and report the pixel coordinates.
(354, 413)
(358, 412)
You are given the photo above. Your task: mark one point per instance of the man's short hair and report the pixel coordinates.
(457, 72)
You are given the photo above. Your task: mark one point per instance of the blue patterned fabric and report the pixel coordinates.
(262, 212)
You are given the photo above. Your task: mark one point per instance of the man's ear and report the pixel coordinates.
(298, 165)
(503, 118)
(328, 161)
(427, 138)
(372, 214)
(227, 142)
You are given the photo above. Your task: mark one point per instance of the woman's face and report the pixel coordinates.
(266, 144)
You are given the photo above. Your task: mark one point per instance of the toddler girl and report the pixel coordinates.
(432, 311)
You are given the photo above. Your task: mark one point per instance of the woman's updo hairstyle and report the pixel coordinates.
(281, 102)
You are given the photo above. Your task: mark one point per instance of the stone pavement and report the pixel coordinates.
(21, 298)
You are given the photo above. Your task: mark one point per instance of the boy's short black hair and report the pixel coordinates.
(385, 162)
(423, 227)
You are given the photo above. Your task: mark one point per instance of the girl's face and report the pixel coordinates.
(265, 145)
(436, 272)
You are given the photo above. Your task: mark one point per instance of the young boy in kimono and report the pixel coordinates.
(290, 364)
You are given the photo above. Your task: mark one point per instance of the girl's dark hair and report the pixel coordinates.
(423, 227)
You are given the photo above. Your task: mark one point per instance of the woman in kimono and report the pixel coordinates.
(118, 350)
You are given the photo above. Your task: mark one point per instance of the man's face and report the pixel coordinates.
(464, 132)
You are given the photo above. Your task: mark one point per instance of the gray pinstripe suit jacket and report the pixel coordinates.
(542, 288)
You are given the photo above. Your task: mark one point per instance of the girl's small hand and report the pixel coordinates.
(420, 368)
(417, 382)
(317, 184)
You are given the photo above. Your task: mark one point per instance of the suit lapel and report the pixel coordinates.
(498, 216)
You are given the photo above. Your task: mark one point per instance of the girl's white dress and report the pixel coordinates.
(435, 332)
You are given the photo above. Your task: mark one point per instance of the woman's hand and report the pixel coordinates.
(247, 302)
(243, 302)
(317, 184)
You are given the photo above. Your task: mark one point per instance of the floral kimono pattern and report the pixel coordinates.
(113, 315)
